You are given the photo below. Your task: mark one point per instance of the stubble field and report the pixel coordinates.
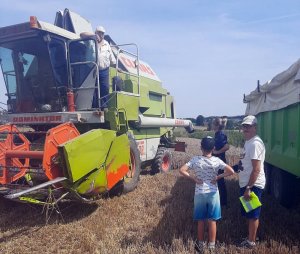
(155, 218)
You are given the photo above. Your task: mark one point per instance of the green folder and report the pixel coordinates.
(250, 204)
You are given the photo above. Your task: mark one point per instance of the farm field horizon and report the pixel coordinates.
(154, 218)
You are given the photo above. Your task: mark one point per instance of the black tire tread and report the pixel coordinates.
(158, 160)
(130, 186)
(286, 193)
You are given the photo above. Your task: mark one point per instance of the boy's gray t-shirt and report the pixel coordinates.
(206, 169)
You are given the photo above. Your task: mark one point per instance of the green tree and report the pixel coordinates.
(230, 125)
(200, 120)
(193, 120)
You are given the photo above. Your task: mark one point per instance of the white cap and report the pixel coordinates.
(100, 29)
(251, 120)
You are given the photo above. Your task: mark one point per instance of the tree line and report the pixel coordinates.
(233, 122)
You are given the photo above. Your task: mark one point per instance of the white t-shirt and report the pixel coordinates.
(105, 55)
(206, 169)
(254, 149)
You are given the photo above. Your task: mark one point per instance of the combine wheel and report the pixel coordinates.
(133, 176)
(162, 161)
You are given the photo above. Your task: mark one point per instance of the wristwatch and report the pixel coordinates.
(248, 187)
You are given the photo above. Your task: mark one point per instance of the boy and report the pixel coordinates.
(206, 200)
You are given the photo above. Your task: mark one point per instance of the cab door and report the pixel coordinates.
(84, 73)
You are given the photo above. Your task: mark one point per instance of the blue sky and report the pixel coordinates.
(207, 53)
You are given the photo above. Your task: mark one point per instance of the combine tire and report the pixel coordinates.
(162, 161)
(133, 176)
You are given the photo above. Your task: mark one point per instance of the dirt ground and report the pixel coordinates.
(154, 218)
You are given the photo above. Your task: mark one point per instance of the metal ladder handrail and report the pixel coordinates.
(132, 54)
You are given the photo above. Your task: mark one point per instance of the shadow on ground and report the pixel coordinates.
(23, 215)
(277, 223)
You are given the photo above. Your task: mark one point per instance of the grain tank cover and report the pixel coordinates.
(281, 91)
(72, 22)
(75, 23)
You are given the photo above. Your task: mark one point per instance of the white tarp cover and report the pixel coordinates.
(280, 92)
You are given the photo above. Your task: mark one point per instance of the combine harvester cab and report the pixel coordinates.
(60, 141)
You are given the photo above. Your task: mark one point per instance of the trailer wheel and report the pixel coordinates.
(133, 176)
(268, 174)
(282, 186)
(162, 161)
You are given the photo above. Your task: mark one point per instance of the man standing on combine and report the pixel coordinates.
(251, 175)
(105, 59)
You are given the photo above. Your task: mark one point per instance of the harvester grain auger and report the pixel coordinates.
(59, 141)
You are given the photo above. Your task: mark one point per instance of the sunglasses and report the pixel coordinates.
(247, 126)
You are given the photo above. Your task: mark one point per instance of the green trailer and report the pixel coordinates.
(277, 107)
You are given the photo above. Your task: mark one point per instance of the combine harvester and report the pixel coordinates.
(60, 143)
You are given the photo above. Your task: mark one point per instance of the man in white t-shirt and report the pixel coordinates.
(251, 175)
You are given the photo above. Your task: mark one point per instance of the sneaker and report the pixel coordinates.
(211, 249)
(220, 245)
(247, 244)
(200, 246)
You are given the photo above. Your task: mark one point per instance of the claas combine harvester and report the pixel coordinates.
(59, 141)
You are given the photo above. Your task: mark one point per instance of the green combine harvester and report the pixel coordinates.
(59, 144)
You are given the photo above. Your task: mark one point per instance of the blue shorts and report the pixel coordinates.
(254, 214)
(207, 206)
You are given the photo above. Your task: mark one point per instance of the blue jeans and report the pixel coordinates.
(222, 189)
(104, 86)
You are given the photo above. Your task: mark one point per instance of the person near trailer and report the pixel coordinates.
(203, 170)
(221, 146)
(251, 175)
